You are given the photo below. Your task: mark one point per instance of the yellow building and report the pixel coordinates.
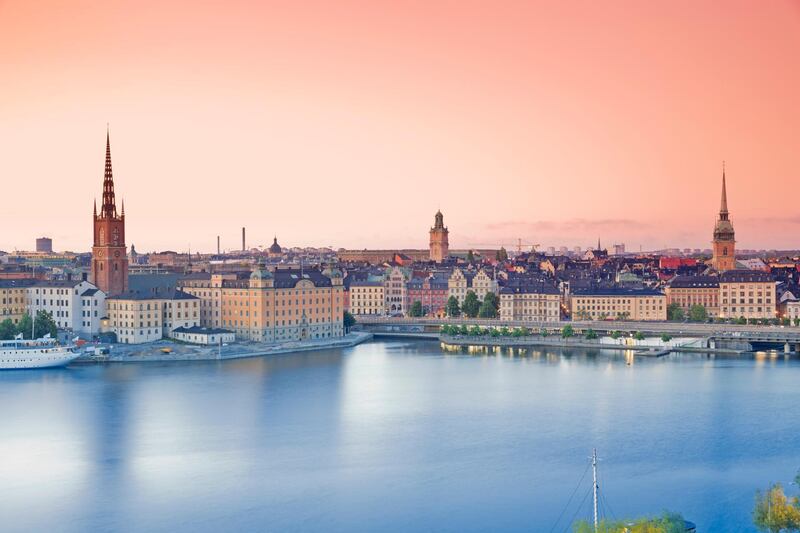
(367, 297)
(137, 318)
(747, 293)
(13, 298)
(687, 291)
(530, 301)
(618, 303)
(272, 306)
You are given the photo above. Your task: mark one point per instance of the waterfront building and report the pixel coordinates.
(459, 283)
(394, 284)
(431, 291)
(109, 254)
(205, 336)
(439, 243)
(271, 305)
(75, 305)
(13, 298)
(748, 294)
(530, 300)
(367, 296)
(686, 291)
(724, 243)
(597, 303)
(138, 317)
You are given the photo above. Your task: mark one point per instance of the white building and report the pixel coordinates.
(200, 335)
(77, 306)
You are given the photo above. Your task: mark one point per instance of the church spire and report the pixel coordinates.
(723, 205)
(109, 208)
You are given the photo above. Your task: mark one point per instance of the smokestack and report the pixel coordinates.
(217, 244)
(244, 246)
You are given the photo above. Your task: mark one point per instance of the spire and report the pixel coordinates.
(95, 207)
(123, 207)
(723, 205)
(109, 207)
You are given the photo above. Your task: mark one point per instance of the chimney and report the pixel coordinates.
(244, 246)
(217, 244)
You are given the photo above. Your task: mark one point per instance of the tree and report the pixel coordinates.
(462, 329)
(416, 309)
(7, 330)
(475, 331)
(698, 313)
(488, 308)
(666, 523)
(797, 321)
(471, 304)
(470, 257)
(504, 331)
(452, 308)
(494, 332)
(45, 324)
(639, 336)
(567, 331)
(675, 312)
(501, 255)
(666, 338)
(774, 512)
(616, 335)
(348, 320)
(445, 329)
(24, 326)
(543, 332)
(590, 334)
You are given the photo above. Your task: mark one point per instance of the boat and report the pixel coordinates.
(38, 353)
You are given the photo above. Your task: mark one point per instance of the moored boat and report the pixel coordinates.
(37, 353)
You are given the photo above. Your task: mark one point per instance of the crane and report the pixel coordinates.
(519, 244)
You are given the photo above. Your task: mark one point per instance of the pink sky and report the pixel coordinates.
(349, 123)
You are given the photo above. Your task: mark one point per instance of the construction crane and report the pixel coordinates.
(519, 244)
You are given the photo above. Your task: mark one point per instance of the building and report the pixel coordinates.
(459, 283)
(109, 254)
(686, 291)
(439, 244)
(77, 306)
(44, 245)
(283, 304)
(747, 293)
(724, 244)
(200, 335)
(275, 249)
(138, 317)
(431, 291)
(617, 303)
(14, 298)
(530, 300)
(367, 296)
(483, 283)
(394, 284)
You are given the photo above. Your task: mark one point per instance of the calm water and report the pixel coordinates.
(394, 436)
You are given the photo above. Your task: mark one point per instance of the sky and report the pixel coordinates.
(349, 123)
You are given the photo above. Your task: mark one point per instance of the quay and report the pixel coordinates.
(154, 351)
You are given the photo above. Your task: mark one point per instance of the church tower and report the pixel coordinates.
(109, 258)
(724, 243)
(439, 246)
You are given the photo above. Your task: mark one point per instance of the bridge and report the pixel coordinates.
(735, 336)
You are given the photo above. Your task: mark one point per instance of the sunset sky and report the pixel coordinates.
(348, 124)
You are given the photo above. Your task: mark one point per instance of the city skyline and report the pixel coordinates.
(511, 132)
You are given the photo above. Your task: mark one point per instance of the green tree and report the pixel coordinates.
(348, 320)
(590, 334)
(501, 255)
(452, 308)
(416, 309)
(471, 304)
(675, 312)
(444, 329)
(665, 338)
(45, 324)
(616, 335)
(785, 321)
(567, 331)
(463, 329)
(666, 523)
(494, 332)
(7, 330)
(24, 326)
(543, 332)
(797, 321)
(639, 336)
(775, 512)
(741, 321)
(504, 331)
(489, 307)
(475, 331)
(470, 257)
(698, 313)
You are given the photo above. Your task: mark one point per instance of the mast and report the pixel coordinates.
(594, 485)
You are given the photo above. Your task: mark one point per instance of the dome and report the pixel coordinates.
(275, 248)
(260, 273)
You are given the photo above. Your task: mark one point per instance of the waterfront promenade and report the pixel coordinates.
(156, 351)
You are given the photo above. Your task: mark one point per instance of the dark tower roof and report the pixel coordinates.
(723, 229)
(438, 221)
(109, 208)
(275, 248)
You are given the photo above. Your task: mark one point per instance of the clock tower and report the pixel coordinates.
(724, 243)
(109, 255)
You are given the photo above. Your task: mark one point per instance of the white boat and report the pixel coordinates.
(38, 353)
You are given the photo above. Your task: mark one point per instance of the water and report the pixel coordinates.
(393, 436)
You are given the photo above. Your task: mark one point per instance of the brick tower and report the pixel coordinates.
(109, 257)
(724, 243)
(439, 246)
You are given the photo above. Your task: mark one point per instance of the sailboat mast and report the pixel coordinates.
(594, 485)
